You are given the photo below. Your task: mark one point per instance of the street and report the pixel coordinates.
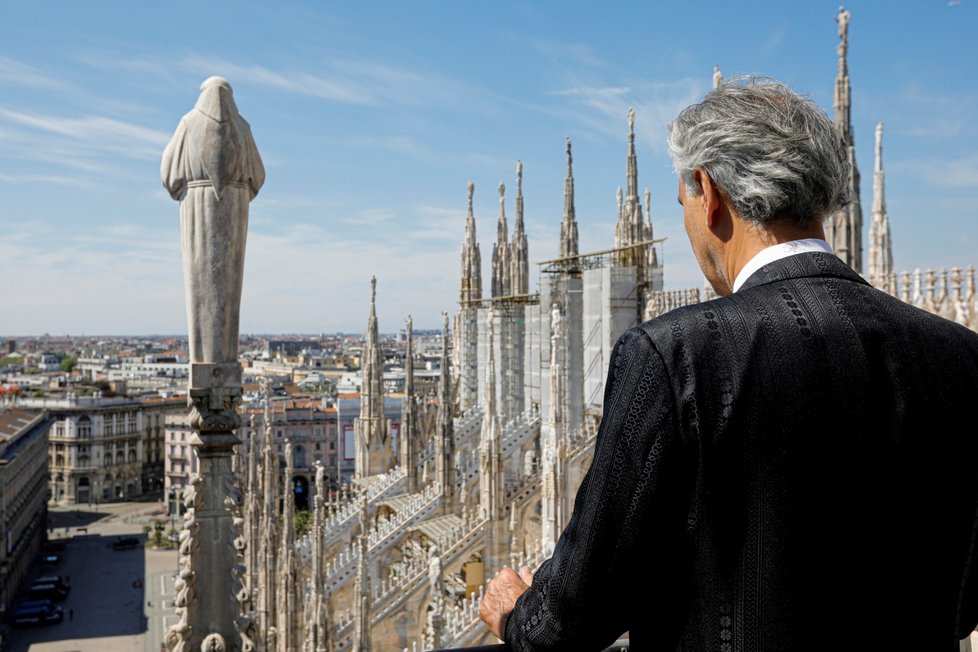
(119, 600)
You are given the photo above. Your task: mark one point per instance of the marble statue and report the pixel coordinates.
(212, 167)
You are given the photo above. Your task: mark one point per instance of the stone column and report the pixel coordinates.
(212, 167)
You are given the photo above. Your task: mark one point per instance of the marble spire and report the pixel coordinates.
(652, 256)
(361, 590)
(881, 251)
(321, 641)
(372, 430)
(631, 228)
(471, 286)
(253, 494)
(490, 461)
(844, 230)
(552, 435)
(518, 250)
(445, 435)
(268, 582)
(408, 438)
(288, 624)
(568, 227)
(500, 251)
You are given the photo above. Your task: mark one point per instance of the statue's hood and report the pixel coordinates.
(216, 99)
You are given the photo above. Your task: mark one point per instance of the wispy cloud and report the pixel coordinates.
(944, 173)
(771, 45)
(564, 52)
(22, 74)
(931, 114)
(397, 143)
(347, 81)
(604, 108)
(79, 147)
(91, 128)
(44, 179)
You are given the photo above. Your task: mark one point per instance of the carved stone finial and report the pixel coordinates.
(519, 173)
(631, 123)
(471, 187)
(620, 198)
(502, 190)
(213, 643)
(373, 289)
(717, 77)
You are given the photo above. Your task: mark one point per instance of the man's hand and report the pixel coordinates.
(500, 598)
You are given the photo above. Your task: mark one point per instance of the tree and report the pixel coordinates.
(67, 364)
(303, 522)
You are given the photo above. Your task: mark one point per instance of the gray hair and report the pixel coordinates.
(772, 152)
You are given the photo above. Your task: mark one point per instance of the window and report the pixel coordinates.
(318, 446)
(332, 445)
(84, 427)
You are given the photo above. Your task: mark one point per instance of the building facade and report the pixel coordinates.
(96, 448)
(23, 495)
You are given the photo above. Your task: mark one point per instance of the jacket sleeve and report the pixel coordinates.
(624, 540)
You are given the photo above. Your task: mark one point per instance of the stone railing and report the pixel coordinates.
(346, 513)
(341, 567)
(519, 430)
(390, 595)
(467, 427)
(464, 428)
(462, 623)
(663, 301)
(950, 294)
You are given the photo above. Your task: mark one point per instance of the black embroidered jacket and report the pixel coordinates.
(792, 467)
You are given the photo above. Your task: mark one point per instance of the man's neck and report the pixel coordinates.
(748, 240)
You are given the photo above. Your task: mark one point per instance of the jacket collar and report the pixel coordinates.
(800, 266)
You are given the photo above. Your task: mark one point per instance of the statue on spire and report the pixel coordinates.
(568, 227)
(843, 19)
(500, 251)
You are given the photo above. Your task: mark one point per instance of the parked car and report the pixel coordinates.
(47, 592)
(57, 580)
(125, 543)
(38, 612)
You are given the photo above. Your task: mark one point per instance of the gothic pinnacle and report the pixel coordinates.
(568, 227)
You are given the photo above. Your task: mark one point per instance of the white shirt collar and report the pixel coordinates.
(777, 252)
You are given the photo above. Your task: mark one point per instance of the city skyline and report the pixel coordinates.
(371, 123)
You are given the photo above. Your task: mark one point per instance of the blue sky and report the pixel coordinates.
(371, 117)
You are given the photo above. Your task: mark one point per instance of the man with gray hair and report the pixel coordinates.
(787, 467)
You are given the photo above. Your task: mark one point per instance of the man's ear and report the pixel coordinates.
(712, 200)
